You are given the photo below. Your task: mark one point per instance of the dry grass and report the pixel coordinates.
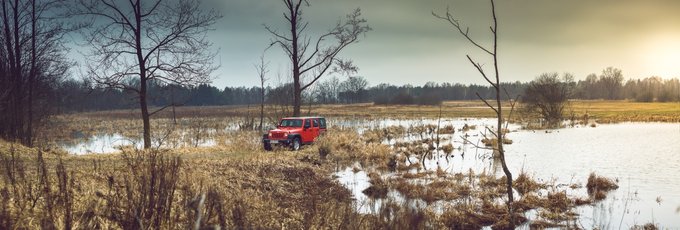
(234, 184)
(599, 186)
(601, 110)
(237, 185)
(525, 184)
(648, 226)
(378, 188)
(618, 111)
(149, 189)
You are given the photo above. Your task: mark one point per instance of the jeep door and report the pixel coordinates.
(315, 128)
(307, 133)
(322, 125)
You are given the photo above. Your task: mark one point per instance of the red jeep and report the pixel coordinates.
(294, 132)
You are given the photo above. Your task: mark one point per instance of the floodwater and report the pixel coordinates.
(111, 143)
(104, 143)
(643, 157)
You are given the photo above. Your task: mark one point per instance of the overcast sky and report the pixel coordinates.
(409, 46)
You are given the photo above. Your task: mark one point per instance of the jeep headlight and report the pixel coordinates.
(270, 134)
(285, 134)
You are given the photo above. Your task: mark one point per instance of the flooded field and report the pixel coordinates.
(642, 157)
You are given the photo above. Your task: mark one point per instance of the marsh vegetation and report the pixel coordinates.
(421, 172)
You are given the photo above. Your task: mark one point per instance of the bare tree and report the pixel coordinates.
(547, 95)
(612, 82)
(495, 83)
(262, 70)
(31, 63)
(354, 89)
(313, 58)
(135, 42)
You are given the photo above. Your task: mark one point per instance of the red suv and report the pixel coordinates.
(294, 132)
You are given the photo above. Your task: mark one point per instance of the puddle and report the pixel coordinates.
(111, 143)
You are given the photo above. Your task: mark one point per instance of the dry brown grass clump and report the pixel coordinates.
(346, 147)
(599, 186)
(378, 188)
(409, 175)
(408, 189)
(465, 218)
(448, 148)
(648, 226)
(468, 217)
(444, 190)
(542, 224)
(493, 142)
(527, 202)
(525, 184)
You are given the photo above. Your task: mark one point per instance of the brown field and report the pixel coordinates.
(603, 111)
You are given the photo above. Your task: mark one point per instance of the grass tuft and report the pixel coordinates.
(599, 186)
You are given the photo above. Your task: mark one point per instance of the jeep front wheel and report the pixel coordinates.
(295, 146)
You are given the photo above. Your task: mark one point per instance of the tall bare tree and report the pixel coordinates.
(494, 81)
(31, 62)
(612, 82)
(135, 42)
(262, 70)
(312, 58)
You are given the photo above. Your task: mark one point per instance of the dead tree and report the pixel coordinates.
(495, 83)
(313, 58)
(262, 74)
(136, 42)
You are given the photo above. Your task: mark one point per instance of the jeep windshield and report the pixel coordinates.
(291, 123)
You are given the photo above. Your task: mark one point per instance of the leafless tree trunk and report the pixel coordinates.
(135, 43)
(262, 72)
(315, 58)
(497, 108)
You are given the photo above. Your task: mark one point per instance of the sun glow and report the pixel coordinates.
(663, 56)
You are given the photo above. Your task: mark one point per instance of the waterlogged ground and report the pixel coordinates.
(111, 143)
(643, 157)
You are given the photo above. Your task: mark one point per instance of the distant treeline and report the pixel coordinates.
(83, 96)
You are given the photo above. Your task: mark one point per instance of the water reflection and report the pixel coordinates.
(644, 157)
(111, 143)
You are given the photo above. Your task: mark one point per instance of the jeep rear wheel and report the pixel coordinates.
(295, 145)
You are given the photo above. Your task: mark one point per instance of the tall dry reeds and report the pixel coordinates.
(150, 189)
(35, 196)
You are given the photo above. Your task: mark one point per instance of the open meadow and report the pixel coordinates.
(377, 167)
